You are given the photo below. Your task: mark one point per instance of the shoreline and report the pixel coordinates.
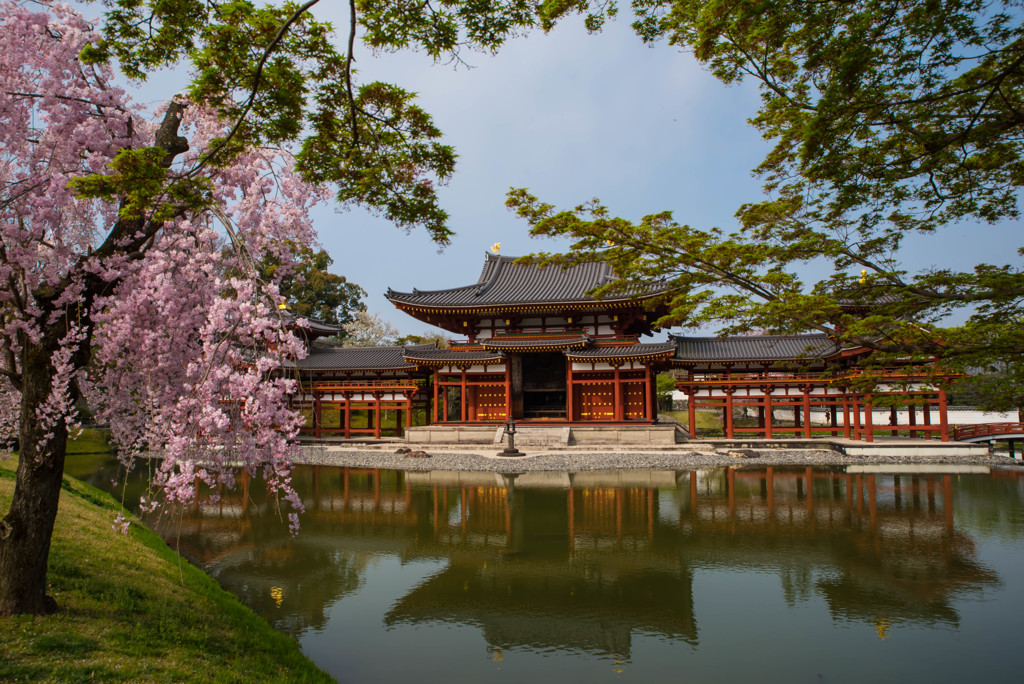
(480, 458)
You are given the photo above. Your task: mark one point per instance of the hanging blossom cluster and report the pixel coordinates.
(58, 408)
(171, 339)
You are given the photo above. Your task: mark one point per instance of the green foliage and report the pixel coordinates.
(992, 389)
(442, 340)
(273, 74)
(311, 291)
(887, 117)
(665, 385)
(139, 178)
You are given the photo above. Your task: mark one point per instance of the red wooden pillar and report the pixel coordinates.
(652, 408)
(913, 421)
(465, 398)
(728, 414)
(692, 411)
(346, 415)
(569, 403)
(376, 415)
(943, 423)
(869, 428)
(768, 413)
(437, 380)
(618, 414)
(508, 389)
(927, 411)
(408, 411)
(807, 412)
(846, 416)
(893, 420)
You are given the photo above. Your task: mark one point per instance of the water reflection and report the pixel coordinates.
(584, 562)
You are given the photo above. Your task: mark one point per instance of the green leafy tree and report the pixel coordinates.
(887, 118)
(442, 340)
(664, 387)
(312, 291)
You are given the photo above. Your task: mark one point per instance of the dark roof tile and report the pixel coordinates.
(754, 348)
(632, 351)
(503, 282)
(445, 356)
(360, 358)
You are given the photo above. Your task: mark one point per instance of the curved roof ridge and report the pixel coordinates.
(503, 282)
(485, 282)
(748, 337)
(422, 346)
(416, 291)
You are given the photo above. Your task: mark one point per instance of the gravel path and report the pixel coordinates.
(682, 457)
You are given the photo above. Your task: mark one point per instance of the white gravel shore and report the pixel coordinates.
(578, 459)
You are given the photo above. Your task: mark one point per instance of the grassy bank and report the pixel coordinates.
(131, 611)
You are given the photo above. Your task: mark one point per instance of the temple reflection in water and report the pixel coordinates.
(584, 561)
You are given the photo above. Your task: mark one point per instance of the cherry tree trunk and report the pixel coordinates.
(26, 530)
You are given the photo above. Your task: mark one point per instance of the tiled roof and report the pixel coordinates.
(445, 356)
(632, 351)
(754, 348)
(360, 358)
(540, 343)
(314, 327)
(504, 282)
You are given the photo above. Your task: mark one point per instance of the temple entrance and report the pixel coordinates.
(544, 385)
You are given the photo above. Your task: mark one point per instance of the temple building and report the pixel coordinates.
(788, 377)
(539, 347)
(360, 391)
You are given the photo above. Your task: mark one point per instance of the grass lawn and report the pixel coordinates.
(707, 423)
(131, 610)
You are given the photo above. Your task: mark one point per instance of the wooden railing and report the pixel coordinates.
(985, 429)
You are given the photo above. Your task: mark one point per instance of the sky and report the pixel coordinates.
(570, 116)
(574, 116)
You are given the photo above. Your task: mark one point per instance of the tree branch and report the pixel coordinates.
(251, 100)
(348, 70)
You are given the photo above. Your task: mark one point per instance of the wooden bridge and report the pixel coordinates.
(987, 432)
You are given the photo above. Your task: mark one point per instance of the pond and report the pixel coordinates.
(752, 574)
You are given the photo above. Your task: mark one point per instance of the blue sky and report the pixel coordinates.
(574, 116)
(571, 116)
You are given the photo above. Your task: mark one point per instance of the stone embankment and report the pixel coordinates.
(682, 457)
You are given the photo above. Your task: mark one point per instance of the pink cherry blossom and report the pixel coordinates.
(176, 344)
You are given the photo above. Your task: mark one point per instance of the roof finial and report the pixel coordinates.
(496, 247)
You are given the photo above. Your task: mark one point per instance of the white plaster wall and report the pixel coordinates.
(490, 368)
(587, 366)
